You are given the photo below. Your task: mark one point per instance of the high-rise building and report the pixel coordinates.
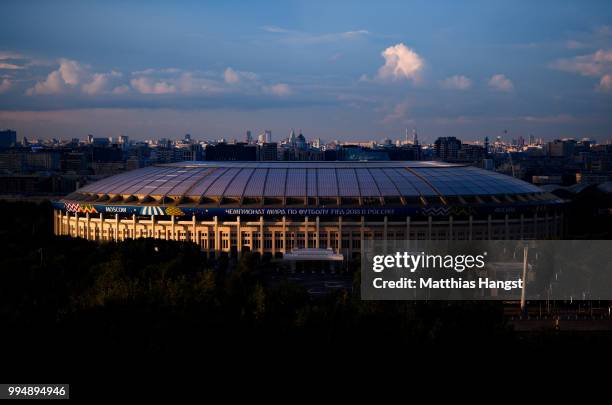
(8, 138)
(447, 147)
(248, 138)
(268, 151)
(265, 137)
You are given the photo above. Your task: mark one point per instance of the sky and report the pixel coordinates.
(344, 70)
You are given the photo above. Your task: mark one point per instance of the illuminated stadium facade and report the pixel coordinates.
(277, 207)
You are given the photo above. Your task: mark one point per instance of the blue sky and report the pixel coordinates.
(337, 70)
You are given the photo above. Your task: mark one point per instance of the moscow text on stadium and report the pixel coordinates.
(277, 207)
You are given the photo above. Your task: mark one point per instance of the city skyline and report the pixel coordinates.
(341, 71)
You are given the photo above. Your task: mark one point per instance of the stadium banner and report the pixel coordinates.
(161, 210)
(486, 270)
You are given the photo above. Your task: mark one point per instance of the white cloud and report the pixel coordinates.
(354, 34)
(5, 85)
(401, 63)
(53, 84)
(605, 83)
(306, 38)
(10, 66)
(500, 82)
(597, 64)
(71, 71)
(123, 89)
(280, 89)
(68, 75)
(100, 82)
(232, 76)
(146, 85)
(274, 28)
(594, 64)
(4, 55)
(457, 82)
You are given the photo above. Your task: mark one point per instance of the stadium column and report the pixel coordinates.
(317, 232)
(306, 232)
(153, 226)
(535, 225)
(522, 224)
(116, 227)
(60, 223)
(217, 241)
(133, 226)
(339, 236)
(87, 229)
(76, 224)
(489, 226)
(362, 230)
(172, 227)
(284, 235)
(238, 235)
(194, 232)
(450, 227)
(429, 227)
(261, 235)
(101, 226)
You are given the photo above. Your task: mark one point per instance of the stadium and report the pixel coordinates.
(278, 208)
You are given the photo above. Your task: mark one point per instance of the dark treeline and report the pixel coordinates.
(77, 299)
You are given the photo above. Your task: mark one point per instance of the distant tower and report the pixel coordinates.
(407, 138)
(415, 137)
(249, 137)
(292, 137)
(486, 146)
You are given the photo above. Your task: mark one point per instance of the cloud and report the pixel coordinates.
(594, 64)
(232, 76)
(74, 76)
(457, 82)
(5, 85)
(67, 76)
(274, 28)
(605, 83)
(123, 89)
(401, 63)
(500, 82)
(597, 64)
(71, 71)
(305, 38)
(5, 55)
(280, 89)
(10, 66)
(53, 84)
(100, 82)
(146, 85)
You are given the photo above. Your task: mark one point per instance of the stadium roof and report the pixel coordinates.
(226, 182)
